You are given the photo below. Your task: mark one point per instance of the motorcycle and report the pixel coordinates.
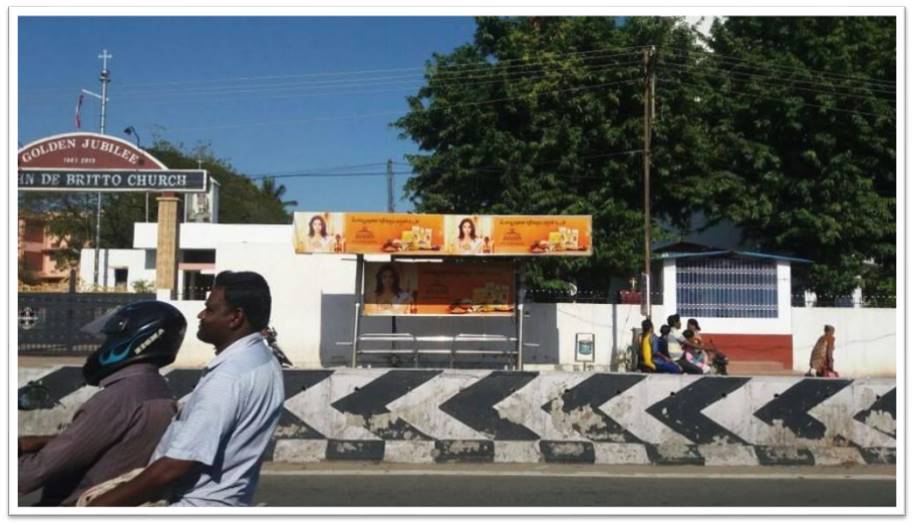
(719, 364)
(271, 336)
(35, 396)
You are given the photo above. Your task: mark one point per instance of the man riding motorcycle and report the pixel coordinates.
(117, 429)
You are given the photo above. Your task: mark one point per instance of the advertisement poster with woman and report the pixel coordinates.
(319, 232)
(443, 235)
(467, 234)
(390, 289)
(465, 289)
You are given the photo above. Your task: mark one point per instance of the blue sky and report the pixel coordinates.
(271, 95)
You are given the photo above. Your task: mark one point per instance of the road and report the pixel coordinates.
(466, 485)
(573, 485)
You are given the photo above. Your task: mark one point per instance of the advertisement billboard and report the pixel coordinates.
(439, 289)
(443, 235)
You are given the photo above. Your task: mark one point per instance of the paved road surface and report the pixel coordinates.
(375, 485)
(566, 485)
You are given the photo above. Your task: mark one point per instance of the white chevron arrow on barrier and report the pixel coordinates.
(629, 408)
(524, 407)
(736, 411)
(837, 413)
(420, 407)
(314, 405)
(868, 435)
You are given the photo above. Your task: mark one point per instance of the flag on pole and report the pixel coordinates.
(78, 105)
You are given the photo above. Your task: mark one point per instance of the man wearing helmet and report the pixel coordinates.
(212, 452)
(117, 429)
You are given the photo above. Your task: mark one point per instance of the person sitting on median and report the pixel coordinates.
(212, 452)
(117, 429)
(698, 340)
(651, 359)
(693, 360)
(661, 351)
(674, 338)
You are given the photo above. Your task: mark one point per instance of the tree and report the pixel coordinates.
(545, 116)
(71, 216)
(804, 128)
(783, 127)
(270, 188)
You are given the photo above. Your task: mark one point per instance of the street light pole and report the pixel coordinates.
(105, 79)
(132, 131)
(649, 79)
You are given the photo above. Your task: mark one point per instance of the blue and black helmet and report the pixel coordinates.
(142, 332)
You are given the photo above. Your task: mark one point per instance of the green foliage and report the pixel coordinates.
(544, 116)
(805, 159)
(240, 200)
(143, 286)
(71, 216)
(772, 132)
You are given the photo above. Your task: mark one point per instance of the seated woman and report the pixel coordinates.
(693, 360)
(652, 360)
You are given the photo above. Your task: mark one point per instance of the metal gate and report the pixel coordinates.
(49, 323)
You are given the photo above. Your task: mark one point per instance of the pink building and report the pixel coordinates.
(36, 249)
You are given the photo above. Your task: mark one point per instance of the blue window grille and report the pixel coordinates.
(726, 287)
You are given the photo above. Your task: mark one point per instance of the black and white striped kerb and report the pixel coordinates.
(441, 416)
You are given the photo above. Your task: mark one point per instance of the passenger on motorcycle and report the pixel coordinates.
(117, 429)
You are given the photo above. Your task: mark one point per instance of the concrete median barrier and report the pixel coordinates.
(439, 416)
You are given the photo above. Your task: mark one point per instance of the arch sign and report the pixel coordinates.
(99, 163)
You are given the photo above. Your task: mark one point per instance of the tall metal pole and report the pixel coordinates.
(390, 186)
(648, 129)
(105, 79)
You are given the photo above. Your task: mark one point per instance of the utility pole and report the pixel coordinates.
(390, 186)
(105, 79)
(649, 87)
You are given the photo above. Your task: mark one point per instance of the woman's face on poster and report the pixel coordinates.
(387, 279)
(317, 226)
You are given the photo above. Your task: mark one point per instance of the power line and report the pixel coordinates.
(475, 81)
(734, 59)
(398, 112)
(318, 175)
(491, 168)
(323, 169)
(773, 76)
(493, 73)
(479, 66)
(326, 172)
(740, 93)
(771, 82)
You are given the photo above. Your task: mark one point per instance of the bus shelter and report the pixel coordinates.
(444, 267)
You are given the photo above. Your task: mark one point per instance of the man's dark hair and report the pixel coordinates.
(673, 319)
(249, 292)
(646, 325)
(664, 329)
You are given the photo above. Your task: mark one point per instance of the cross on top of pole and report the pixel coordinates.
(105, 56)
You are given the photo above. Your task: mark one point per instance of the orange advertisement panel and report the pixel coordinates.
(443, 235)
(542, 235)
(396, 233)
(439, 289)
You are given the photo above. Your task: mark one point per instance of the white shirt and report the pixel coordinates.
(675, 340)
(226, 425)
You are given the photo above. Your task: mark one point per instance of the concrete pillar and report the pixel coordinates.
(166, 257)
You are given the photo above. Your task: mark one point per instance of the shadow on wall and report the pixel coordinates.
(337, 326)
(540, 328)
